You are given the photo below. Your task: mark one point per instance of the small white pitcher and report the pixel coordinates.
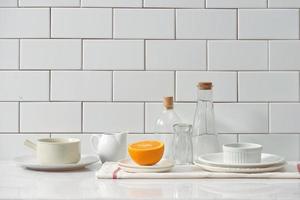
(110, 146)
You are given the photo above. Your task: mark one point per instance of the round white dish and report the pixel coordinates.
(128, 163)
(145, 170)
(31, 162)
(239, 170)
(216, 159)
(237, 153)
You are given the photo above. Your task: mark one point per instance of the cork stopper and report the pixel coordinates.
(205, 85)
(168, 102)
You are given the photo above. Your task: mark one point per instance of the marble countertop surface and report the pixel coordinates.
(19, 183)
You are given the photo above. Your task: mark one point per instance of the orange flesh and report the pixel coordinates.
(147, 152)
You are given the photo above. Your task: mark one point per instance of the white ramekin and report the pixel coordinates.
(242, 153)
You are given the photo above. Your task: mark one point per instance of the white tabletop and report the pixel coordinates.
(18, 183)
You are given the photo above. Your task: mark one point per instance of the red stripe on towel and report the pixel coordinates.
(298, 167)
(115, 173)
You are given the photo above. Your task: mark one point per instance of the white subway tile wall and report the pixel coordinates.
(89, 66)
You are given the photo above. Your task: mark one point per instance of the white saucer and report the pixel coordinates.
(161, 164)
(216, 159)
(31, 162)
(239, 170)
(129, 166)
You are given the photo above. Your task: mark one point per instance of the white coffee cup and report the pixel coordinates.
(56, 150)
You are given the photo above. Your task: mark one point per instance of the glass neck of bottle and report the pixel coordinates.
(205, 95)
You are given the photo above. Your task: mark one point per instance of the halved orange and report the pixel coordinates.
(147, 152)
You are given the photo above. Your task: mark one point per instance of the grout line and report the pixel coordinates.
(175, 86)
(237, 24)
(238, 138)
(144, 117)
(145, 57)
(268, 54)
(112, 23)
(268, 118)
(19, 117)
(206, 57)
(175, 24)
(50, 86)
(50, 22)
(81, 120)
(112, 86)
(81, 43)
(237, 87)
(19, 56)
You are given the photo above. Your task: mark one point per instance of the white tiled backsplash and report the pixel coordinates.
(71, 67)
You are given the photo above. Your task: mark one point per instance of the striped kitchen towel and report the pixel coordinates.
(111, 170)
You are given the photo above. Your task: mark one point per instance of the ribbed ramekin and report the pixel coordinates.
(239, 153)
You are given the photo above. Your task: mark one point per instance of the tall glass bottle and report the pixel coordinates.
(205, 139)
(164, 126)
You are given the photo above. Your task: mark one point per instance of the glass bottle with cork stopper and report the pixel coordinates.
(164, 126)
(205, 139)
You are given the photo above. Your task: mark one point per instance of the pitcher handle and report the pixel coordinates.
(95, 141)
(30, 144)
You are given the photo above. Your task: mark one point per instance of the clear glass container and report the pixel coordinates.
(182, 144)
(205, 139)
(164, 126)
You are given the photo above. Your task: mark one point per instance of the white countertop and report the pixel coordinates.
(18, 183)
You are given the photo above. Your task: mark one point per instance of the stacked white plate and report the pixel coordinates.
(214, 162)
(129, 166)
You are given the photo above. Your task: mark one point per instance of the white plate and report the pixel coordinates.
(128, 163)
(31, 162)
(145, 170)
(239, 170)
(216, 159)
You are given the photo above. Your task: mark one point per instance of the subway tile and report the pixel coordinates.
(49, 3)
(81, 22)
(12, 145)
(50, 117)
(268, 86)
(174, 3)
(144, 23)
(113, 117)
(284, 3)
(81, 86)
(206, 24)
(50, 54)
(142, 86)
(9, 112)
(238, 55)
(284, 118)
(225, 85)
(284, 55)
(112, 3)
(9, 54)
(24, 22)
(24, 86)
(8, 3)
(176, 55)
(113, 54)
(236, 4)
(286, 145)
(259, 24)
(241, 117)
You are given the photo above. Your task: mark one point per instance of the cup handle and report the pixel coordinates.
(30, 144)
(94, 141)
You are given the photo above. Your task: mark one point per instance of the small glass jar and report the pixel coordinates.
(182, 144)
